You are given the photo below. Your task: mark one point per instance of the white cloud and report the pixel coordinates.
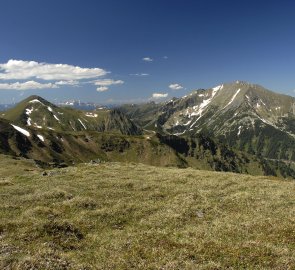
(175, 86)
(107, 82)
(72, 82)
(140, 74)
(165, 57)
(147, 59)
(24, 75)
(102, 88)
(103, 84)
(159, 95)
(22, 70)
(26, 85)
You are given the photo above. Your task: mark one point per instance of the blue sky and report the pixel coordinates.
(190, 44)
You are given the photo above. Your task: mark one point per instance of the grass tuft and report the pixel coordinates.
(55, 194)
(63, 234)
(4, 182)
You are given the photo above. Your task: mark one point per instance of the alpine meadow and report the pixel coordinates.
(128, 140)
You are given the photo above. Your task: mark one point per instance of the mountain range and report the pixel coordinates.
(38, 113)
(238, 127)
(242, 115)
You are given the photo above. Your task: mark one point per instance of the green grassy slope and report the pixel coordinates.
(133, 216)
(75, 147)
(38, 113)
(142, 114)
(52, 148)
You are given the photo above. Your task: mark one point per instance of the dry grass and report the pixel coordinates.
(130, 216)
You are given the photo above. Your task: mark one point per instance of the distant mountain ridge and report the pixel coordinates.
(38, 113)
(245, 116)
(49, 134)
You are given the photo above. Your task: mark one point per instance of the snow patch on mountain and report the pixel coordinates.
(36, 101)
(218, 87)
(187, 123)
(40, 137)
(21, 130)
(56, 118)
(72, 126)
(273, 125)
(239, 131)
(180, 133)
(29, 111)
(199, 109)
(36, 125)
(82, 124)
(233, 98)
(91, 114)
(177, 123)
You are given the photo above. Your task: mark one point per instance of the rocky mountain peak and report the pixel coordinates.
(244, 115)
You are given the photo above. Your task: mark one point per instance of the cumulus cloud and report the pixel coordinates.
(175, 86)
(159, 95)
(102, 88)
(24, 75)
(26, 85)
(140, 74)
(23, 70)
(103, 84)
(72, 82)
(107, 82)
(148, 59)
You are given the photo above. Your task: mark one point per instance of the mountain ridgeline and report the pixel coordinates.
(208, 130)
(245, 116)
(37, 113)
